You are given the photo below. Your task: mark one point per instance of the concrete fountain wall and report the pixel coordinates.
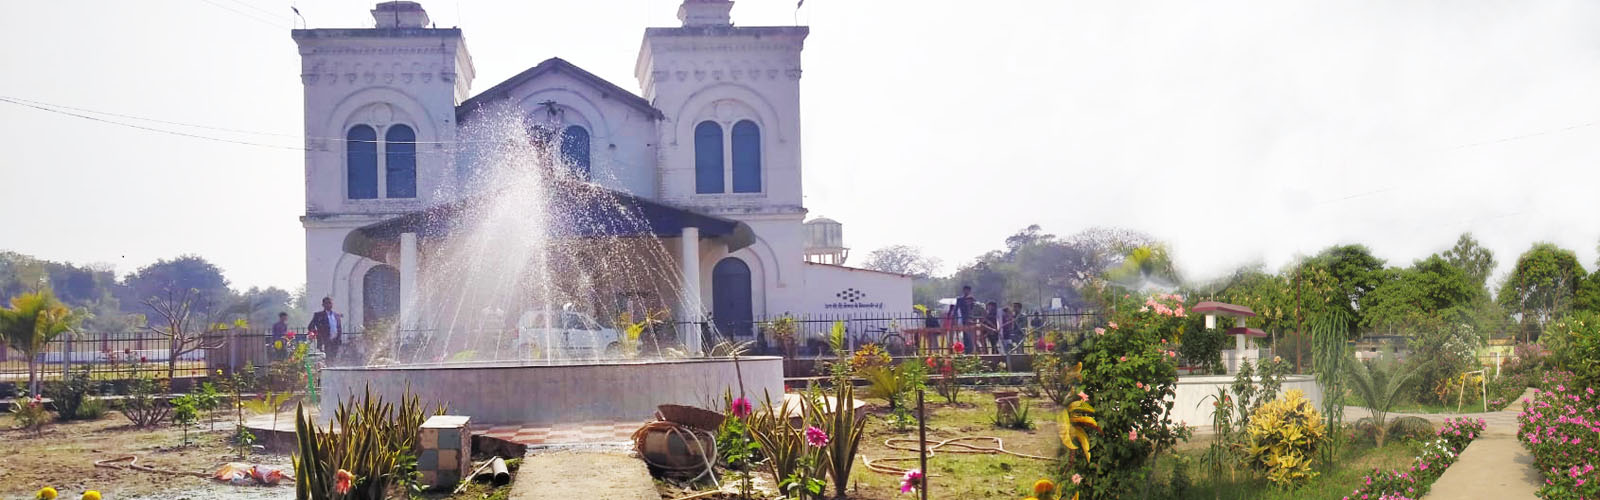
(540, 393)
(1191, 406)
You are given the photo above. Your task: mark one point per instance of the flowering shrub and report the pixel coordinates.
(30, 415)
(1574, 343)
(1129, 372)
(1560, 426)
(949, 369)
(1284, 435)
(1437, 455)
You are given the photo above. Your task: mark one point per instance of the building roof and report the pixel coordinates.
(557, 65)
(1222, 309)
(604, 212)
(848, 268)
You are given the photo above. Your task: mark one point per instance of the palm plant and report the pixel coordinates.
(32, 321)
(1379, 382)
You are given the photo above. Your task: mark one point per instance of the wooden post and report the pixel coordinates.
(922, 443)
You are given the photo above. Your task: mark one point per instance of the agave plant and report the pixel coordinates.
(844, 435)
(1075, 425)
(376, 446)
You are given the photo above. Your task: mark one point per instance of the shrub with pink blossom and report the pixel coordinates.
(1128, 369)
(1560, 426)
(1437, 455)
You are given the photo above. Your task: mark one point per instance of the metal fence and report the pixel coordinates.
(146, 354)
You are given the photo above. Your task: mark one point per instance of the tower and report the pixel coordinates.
(729, 144)
(380, 126)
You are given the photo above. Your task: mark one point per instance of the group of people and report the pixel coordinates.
(986, 327)
(326, 328)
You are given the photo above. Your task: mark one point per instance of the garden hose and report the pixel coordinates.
(956, 445)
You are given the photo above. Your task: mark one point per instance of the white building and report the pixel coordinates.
(713, 137)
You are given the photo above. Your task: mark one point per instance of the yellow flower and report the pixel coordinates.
(46, 493)
(1043, 486)
(1030, 498)
(91, 495)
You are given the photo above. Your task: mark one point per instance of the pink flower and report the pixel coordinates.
(341, 481)
(1083, 396)
(816, 437)
(1139, 384)
(1099, 331)
(1123, 359)
(1133, 434)
(911, 480)
(740, 408)
(1076, 479)
(1112, 324)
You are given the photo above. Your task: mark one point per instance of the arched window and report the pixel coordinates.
(708, 158)
(746, 157)
(400, 162)
(575, 150)
(361, 162)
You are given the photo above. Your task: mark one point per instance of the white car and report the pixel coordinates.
(571, 334)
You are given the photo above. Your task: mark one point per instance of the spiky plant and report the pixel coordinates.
(376, 443)
(844, 435)
(1379, 382)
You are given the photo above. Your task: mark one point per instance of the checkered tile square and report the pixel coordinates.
(577, 433)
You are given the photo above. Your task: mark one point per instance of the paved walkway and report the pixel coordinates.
(569, 475)
(1493, 466)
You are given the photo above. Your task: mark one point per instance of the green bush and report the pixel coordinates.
(1416, 428)
(1574, 344)
(1129, 374)
(71, 393)
(1284, 436)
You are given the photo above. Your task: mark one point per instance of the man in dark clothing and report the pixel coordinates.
(961, 312)
(327, 326)
(278, 341)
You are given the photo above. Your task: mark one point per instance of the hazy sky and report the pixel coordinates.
(1236, 131)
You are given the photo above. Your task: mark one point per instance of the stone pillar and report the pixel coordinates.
(446, 444)
(689, 262)
(408, 281)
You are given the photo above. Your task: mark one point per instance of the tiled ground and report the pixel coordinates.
(584, 433)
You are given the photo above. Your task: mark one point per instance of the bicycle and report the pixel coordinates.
(887, 338)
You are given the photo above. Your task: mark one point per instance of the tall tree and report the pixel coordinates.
(902, 259)
(1541, 286)
(1354, 272)
(32, 321)
(1430, 287)
(1472, 258)
(188, 272)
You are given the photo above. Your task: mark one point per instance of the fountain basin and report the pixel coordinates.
(539, 393)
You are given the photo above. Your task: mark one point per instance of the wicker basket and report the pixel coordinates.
(693, 417)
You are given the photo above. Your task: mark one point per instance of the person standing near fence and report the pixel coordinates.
(961, 312)
(280, 333)
(326, 326)
(991, 327)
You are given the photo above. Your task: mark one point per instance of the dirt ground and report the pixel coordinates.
(63, 457)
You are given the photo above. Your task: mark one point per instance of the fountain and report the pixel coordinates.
(513, 285)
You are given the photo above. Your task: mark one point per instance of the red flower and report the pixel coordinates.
(932, 363)
(142, 359)
(341, 481)
(959, 347)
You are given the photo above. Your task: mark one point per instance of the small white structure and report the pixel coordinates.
(712, 140)
(1241, 352)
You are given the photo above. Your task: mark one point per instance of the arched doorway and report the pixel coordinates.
(380, 296)
(730, 297)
